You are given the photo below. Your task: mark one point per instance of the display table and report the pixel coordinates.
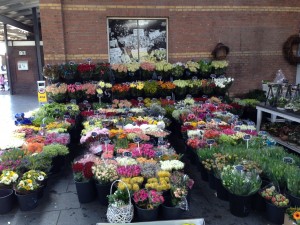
(168, 222)
(274, 113)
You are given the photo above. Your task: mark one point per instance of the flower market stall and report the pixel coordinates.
(129, 120)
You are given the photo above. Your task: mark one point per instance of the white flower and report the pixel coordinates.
(41, 178)
(193, 133)
(169, 165)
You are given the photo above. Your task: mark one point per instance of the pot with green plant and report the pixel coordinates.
(85, 186)
(151, 88)
(242, 185)
(39, 177)
(276, 204)
(104, 175)
(7, 180)
(57, 152)
(293, 186)
(205, 154)
(205, 69)
(281, 103)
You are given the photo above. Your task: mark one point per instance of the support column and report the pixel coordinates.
(37, 43)
(7, 60)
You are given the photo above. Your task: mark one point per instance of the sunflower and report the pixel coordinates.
(296, 215)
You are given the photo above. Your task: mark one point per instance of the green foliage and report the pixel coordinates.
(39, 161)
(13, 154)
(119, 198)
(204, 67)
(54, 150)
(293, 180)
(257, 94)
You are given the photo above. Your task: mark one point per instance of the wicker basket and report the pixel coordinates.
(122, 214)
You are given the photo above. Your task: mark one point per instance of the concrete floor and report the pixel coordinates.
(60, 205)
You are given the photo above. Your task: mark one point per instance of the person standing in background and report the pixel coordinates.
(2, 82)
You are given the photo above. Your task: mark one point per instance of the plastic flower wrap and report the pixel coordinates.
(149, 169)
(105, 174)
(170, 165)
(129, 171)
(94, 135)
(8, 177)
(223, 82)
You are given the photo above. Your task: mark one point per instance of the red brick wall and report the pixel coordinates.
(255, 31)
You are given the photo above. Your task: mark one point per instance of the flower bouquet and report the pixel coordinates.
(181, 88)
(177, 70)
(166, 88)
(204, 69)
(170, 165)
(136, 89)
(89, 91)
(194, 87)
(208, 87)
(222, 85)
(105, 174)
(148, 199)
(86, 71)
(51, 72)
(133, 71)
(151, 88)
(191, 69)
(163, 69)
(57, 92)
(119, 72)
(120, 91)
(68, 72)
(75, 92)
(102, 72)
(219, 67)
(147, 70)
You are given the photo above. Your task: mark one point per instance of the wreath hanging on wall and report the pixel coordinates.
(289, 47)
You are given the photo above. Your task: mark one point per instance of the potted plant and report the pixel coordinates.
(102, 72)
(104, 175)
(150, 88)
(179, 179)
(281, 103)
(27, 194)
(86, 71)
(180, 89)
(39, 177)
(219, 67)
(163, 69)
(7, 179)
(177, 70)
(241, 186)
(133, 71)
(276, 204)
(147, 70)
(119, 72)
(204, 69)
(57, 153)
(147, 203)
(83, 175)
(191, 69)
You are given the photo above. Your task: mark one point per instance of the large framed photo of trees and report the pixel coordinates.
(137, 40)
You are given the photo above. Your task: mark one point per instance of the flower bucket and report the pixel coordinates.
(222, 192)
(6, 200)
(294, 200)
(275, 214)
(102, 192)
(170, 212)
(239, 205)
(28, 202)
(86, 191)
(146, 214)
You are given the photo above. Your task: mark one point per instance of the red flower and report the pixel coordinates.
(87, 171)
(77, 167)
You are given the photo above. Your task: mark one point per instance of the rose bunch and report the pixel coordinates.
(129, 171)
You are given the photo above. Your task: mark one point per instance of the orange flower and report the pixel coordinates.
(34, 148)
(122, 136)
(296, 215)
(132, 145)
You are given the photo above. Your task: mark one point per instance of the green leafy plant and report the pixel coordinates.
(38, 162)
(119, 198)
(54, 150)
(293, 181)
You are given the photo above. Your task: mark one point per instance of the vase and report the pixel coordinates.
(275, 214)
(86, 191)
(146, 214)
(222, 193)
(170, 212)
(294, 200)
(239, 205)
(28, 201)
(6, 200)
(102, 192)
(211, 180)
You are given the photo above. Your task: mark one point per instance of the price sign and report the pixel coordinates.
(230, 121)
(126, 109)
(69, 107)
(159, 77)
(140, 99)
(222, 77)
(85, 102)
(73, 101)
(77, 83)
(210, 141)
(154, 99)
(239, 168)
(217, 120)
(194, 78)
(131, 74)
(224, 112)
(250, 123)
(66, 116)
(127, 154)
(220, 97)
(43, 125)
(94, 134)
(50, 101)
(99, 95)
(201, 126)
(96, 112)
(237, 129)
(216, 104)
(262, 133)
(57, 110)
(130, 114)
(207, 101)
(213, 76)
(91, 123)
(137, 140)
(204, 96)
(168, 98)
(288, 160)
(57, 84)
(247, 137)
(188, 96)
(239, 123)
(158, 154)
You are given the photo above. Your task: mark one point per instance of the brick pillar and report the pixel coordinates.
(52, 20)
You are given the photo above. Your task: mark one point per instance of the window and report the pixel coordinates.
(137, 40)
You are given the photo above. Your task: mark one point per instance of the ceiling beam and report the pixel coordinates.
(18, 7)
(6, 20)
